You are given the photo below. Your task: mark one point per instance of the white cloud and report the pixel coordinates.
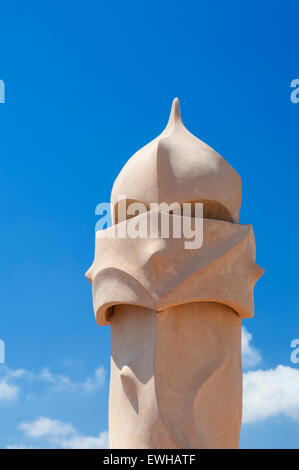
(8, 391)
(250, 355)
(15, 373)
(269, 393)
(60, 434)
(95, 382)
(58, 382)
(61, 382)
(46, 427)
(87, 442)
(10, 381)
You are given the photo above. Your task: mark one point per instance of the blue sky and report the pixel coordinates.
(86, 85)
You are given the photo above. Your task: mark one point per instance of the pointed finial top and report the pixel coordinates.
(177, 166)
(175, 114)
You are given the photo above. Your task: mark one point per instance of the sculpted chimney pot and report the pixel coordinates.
(175, 313)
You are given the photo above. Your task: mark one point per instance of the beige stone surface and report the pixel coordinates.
(179, 167)
(159, 273)
(176, 378)
(175, 313)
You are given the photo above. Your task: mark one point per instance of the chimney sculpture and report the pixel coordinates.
(175, 313)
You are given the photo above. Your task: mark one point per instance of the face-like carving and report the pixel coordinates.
(176, 378)
(175, 313)
(198, 374)
(175, 317)
(158, 273)
(134, 417)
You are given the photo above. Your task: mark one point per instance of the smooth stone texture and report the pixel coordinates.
(176, 377)
(160, 273)
(179, 167)
(175, 313)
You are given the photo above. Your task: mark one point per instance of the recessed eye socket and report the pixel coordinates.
(213, 210)
(128, 208)
(109, 313)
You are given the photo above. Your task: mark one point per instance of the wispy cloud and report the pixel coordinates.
(59, 434)
(11, 381)
(86, 442)
(61, 382)
(8, 391)
(250, 355)
(51, 428)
